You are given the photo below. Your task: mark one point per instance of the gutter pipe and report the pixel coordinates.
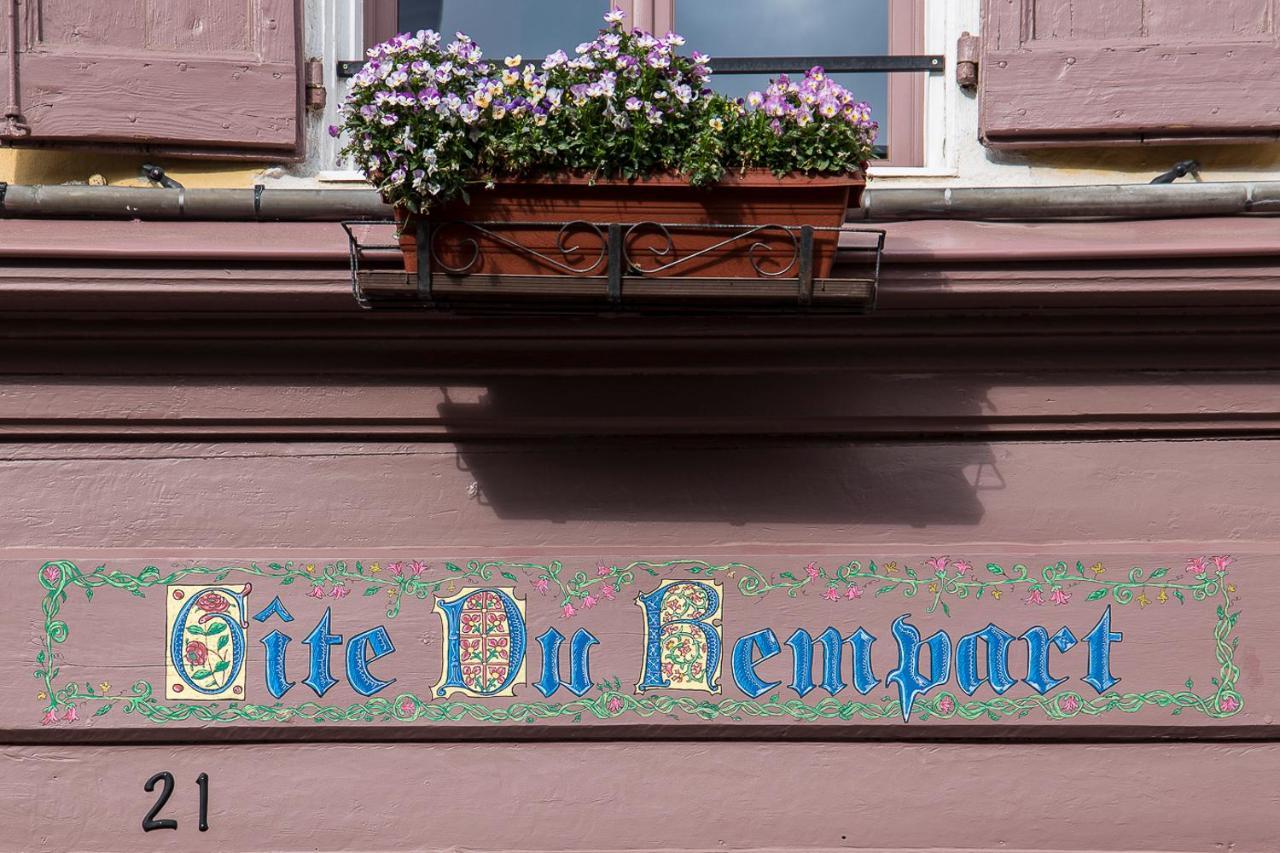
(1110, 201)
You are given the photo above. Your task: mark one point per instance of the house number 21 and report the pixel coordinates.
(165, 778)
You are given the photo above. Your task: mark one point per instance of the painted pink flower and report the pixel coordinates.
(211, 602)
(569, 611)
(608, 591)
(946, 705)
(832, 594)
(1034, 597)
(417, 567)
(1059, 596)
(854, 591)
(317, 591)
(614, 704)
(50, 717)
(396, 569)
(602, 570)
(939, 564)
(812, 570)
(963, 566)
(589, 602)
(197, 653)
(541, 584)
(407, 707)
(71, 716)
(1069, 703)
(339, 591)
(1196, 566)
(52, 574)
(1222, 562)
(1229, 703)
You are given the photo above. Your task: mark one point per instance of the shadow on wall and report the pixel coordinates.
(724, 449)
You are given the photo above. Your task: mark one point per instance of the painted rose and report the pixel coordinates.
(614, 704)
(853, 592)
(1222, 562)
(589, 602)
(832, 594)
(407, 707)
(197, 653)
(939, 564)
(1229, 703)
(1034, 597)
(211, 602)
(50, 717)
(1197, 566)
(812, 570)
(607, 591)
(339, 591)
(541, 584)
(963, 566)
(569, 611)
(602, 570)
(71, 716)
(1059, 596)
(316, 591)
(1070, 704)
(417, 567)
(52, 574)
(946, 705)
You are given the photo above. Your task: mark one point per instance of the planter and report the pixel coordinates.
(746, 226)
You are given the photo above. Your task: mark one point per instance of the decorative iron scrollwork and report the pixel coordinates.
(668, 247)
(446, 234)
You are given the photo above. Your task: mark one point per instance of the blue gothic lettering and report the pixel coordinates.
(744, 663)
(377, 641)
(997, 643)
(319, 679)
(452, 611)
(1038, 641)
(652, 676)
(579, 669)
(235, 633)
(802, 656)
(907, 675)
(1100, 640)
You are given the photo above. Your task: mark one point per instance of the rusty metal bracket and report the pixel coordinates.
(968, 52)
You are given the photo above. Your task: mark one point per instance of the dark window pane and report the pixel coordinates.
(791, 28)
(533, 28)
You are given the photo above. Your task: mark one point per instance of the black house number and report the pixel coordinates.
(165, 779)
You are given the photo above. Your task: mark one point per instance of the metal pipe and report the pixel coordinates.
(1114, 201)
(1105, 201)
(13, 122)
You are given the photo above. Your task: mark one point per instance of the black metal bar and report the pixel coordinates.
(615, 263)
(904, 63)
(806, 265)
(424, 258)
(831, 64)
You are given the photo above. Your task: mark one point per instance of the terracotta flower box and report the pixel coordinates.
(746, 226)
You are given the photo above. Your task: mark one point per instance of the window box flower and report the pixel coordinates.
(521, 168)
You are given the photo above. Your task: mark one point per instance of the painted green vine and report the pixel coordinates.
(945, 583)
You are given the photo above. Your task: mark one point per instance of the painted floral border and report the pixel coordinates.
(941, 581)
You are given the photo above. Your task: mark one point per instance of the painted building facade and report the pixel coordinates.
(987, 567)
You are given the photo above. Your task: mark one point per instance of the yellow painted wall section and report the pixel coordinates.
(29, 166)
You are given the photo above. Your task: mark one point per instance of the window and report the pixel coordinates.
(739, 35)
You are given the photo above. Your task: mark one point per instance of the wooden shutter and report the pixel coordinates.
(194, 74)
(1080, 71)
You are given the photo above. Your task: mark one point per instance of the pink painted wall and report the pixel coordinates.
(169, 438)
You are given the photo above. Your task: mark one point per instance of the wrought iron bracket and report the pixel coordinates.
(612, 267)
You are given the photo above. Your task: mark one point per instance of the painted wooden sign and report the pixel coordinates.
(937, 641)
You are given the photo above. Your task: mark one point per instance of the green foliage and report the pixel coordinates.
(427, 121)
